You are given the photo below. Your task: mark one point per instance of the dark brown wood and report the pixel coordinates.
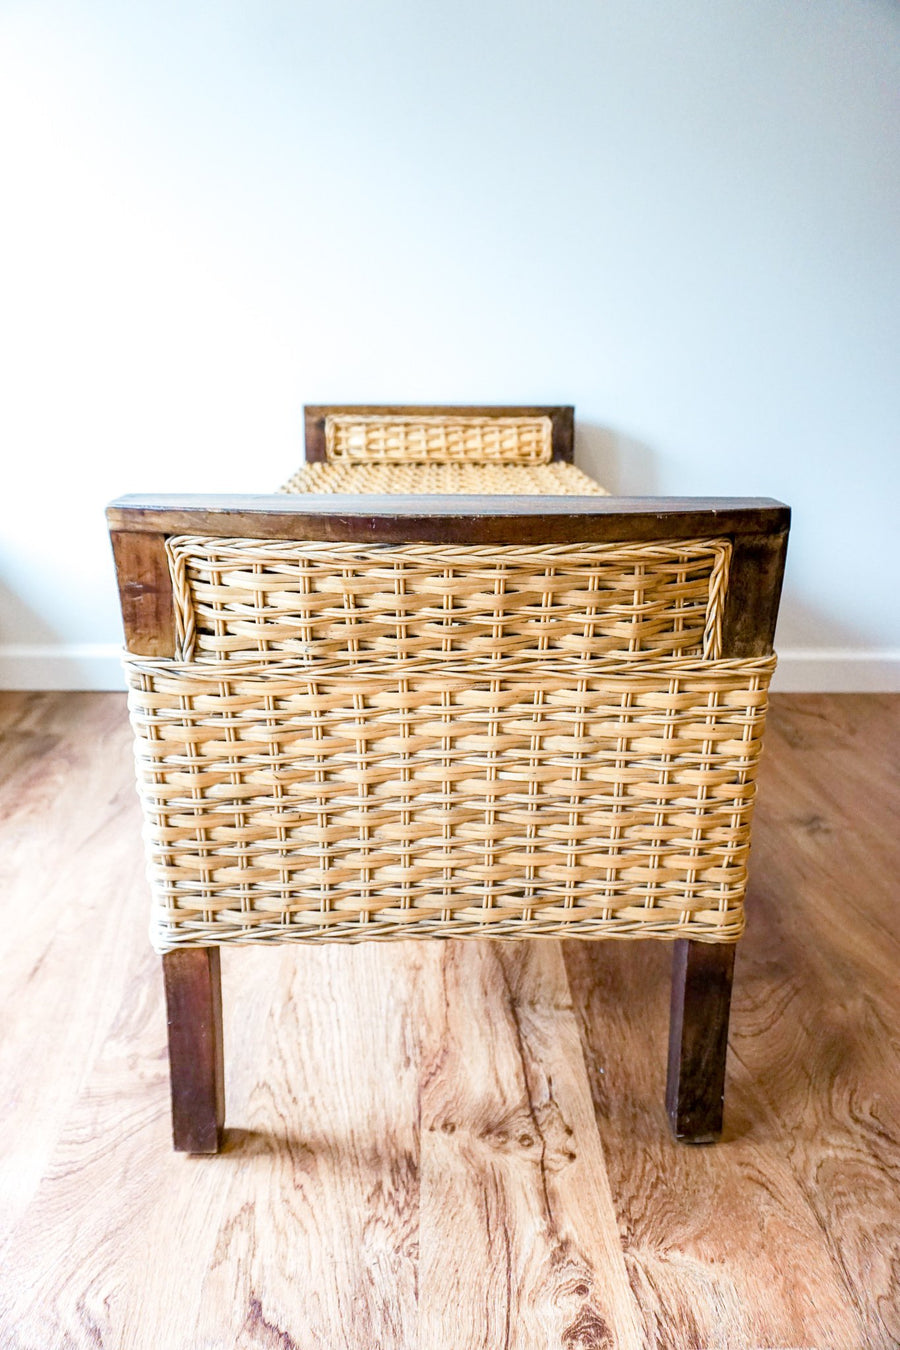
(314, 433)
(702, 973)
(698, 1039)
(563, 435)
(754, 590)
(196, 1063)
(449, 519)
(145, 591)
(562, 419)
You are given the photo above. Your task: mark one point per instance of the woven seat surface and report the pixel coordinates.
(555, 479)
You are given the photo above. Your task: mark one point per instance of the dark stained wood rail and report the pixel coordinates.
(456, 518)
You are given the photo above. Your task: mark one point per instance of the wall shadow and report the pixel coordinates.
(624, 465)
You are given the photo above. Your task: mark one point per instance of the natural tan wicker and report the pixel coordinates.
(236, 599)
(447, 797)
(434, 739)
(415, 438)
(557, 479)
(360, 741)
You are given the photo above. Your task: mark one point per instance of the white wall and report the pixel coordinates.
(680, 216)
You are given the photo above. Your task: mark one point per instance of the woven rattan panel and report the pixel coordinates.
(457, 799)
(420, 438)
(558, 479)
(238, 599)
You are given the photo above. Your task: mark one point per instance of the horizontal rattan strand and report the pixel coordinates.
(546, 480)
(396, 799)
(663, 930)
(240, 599)
(441, 437)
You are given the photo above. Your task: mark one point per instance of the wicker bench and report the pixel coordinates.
(444, 686)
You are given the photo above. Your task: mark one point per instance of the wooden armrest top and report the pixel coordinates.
(453, 518)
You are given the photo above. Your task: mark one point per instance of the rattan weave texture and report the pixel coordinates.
(237, 598)
(423, 740)
(416, 438)
(453, 798)
(557, 479)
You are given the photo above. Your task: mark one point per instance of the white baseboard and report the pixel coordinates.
(804, 670)
(87, 665)
(837, 670)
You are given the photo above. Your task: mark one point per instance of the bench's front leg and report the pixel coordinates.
(196, 1062)
(698, 1039)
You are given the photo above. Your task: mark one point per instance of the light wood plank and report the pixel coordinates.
(67, 852)
(720, 1242)
(323, 1175)
(519, 1240)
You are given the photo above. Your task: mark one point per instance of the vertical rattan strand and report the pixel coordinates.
(447, 787)
(662, 799)
(490, 811)
(533, 799)
(707, 751)
(619, 761)
(362, 792)
(678, 619)
(351, 609)
(405, 789)
(157, 775)
(277, 791)
(242, 852)
(324, 847)
(220, 619)
(448, 791)
(577, 774)
(637, 623)
(751, 730)
(194, 768)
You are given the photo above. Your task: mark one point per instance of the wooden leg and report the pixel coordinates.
(196, 1066)
(698, 1039)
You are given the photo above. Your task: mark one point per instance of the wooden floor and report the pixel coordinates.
(460, 1145)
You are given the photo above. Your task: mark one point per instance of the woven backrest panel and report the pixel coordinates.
(422, 438)
(458, 799)
(557, 479)
(237, 599)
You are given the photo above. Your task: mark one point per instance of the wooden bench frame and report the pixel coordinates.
(758, 530)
